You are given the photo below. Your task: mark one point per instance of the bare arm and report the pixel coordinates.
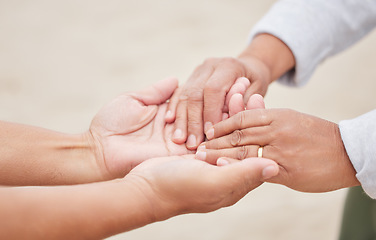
(155, 190)
(90, 211)
(37, 156)
(124, 133)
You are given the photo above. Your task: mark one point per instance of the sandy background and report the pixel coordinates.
(60, 61)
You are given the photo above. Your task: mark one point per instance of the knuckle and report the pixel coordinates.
(195, 96)
(236, 138)
(241, 119)
(213, 88)
(194, 123)
(242, 153)
(183, 97)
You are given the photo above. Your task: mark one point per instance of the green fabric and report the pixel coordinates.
(359, 216)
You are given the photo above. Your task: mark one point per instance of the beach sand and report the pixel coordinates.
(60, 61)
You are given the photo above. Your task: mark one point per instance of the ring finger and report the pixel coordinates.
(240, 153)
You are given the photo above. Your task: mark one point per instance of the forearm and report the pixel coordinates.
(37, 156)
(90, 211)
(271, 51)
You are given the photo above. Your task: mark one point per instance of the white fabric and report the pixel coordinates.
(315, 30)
(359, 137)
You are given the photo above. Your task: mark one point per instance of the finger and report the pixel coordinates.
(240, 86)
(255, 88)
(158, 93)
(195, 81)
(249, 136)
(215, 92)
(222, 161)
(212, 155)
(172, 105)
(236, 104)
(241, 120)
(179, 135)
(195, 103)
(256, 101)
(247, 174)
(195, 123)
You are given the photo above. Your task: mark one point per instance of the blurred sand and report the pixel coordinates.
(60, 61)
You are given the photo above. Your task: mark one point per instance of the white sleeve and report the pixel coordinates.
(359, 138)
(316, 29)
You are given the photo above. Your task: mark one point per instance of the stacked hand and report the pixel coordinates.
(203, 100)
(130, 132)
(309, 150)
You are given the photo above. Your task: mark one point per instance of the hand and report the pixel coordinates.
(176, 185)
(309, 150)
(131, 129)
(202, 101)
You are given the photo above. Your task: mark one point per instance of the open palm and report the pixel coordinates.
(131, 129)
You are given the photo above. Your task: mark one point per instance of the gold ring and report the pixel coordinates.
(259, 152)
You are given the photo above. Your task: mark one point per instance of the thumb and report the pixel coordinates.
(158, 93)
(250, 172)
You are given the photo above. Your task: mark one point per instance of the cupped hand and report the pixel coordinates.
(132, 128)
(177, 185)
(309, 150)
(203, 100)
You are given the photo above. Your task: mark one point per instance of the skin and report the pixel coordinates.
(155, 190)
(114, 144)
(203, 100)
(308, 150)
(119, 140)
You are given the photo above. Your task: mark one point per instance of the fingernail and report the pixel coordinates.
(191, 142)
(210, 134)
(222, 162)
(207, 126)
(168, 115)
(178, 134)
(200, 155)
(201, 147)
(269, 172)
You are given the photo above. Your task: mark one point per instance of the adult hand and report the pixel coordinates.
(202, 101)
(309, 150)
(177, 185)
(131, 129)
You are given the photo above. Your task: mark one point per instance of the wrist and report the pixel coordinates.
(75, 157)
(275, 55)
(92, 152)
(252, 62)
(157, 206)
